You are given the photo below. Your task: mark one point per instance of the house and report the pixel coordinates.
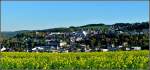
(41, 49)
(127, 49)
(141, 33)
(79, 38)
(3, 49)
(136, 48)
(120, 46)
(63, 43)
(80, 34)
(56, 33)
(72, 39)
(53, 43)
(104, 50)
(88, 50)
(119, 32)
(38, 48)
(85, 33)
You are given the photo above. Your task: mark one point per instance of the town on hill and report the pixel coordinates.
(87, 38)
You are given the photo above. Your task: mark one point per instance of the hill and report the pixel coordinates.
(100, 26)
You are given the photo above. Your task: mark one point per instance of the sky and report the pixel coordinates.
(38, 15)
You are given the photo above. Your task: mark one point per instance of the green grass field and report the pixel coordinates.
(91, 60)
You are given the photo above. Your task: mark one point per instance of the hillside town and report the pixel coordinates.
(116, 37)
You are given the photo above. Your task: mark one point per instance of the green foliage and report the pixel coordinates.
(93, 60)
(91, 25)
(132, 26)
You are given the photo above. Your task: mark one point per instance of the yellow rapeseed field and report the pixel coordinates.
(79, 60)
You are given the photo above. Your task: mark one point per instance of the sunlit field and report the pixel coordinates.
(89, 60)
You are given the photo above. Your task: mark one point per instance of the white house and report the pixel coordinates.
(38, 48)
(104, 50)
(56, 33)
(3, 49)
(84, 32)
(63, 44)
(81, 33)
(120, 46)
(78, 38)
(136, 48)
(127, 49)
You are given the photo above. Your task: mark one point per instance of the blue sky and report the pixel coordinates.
(32, 15)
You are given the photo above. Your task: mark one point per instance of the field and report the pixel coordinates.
(92, 60)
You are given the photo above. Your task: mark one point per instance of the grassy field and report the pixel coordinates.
(92, 60)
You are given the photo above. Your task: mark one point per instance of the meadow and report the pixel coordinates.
(79, 60)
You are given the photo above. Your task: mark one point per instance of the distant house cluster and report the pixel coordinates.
(115, 38)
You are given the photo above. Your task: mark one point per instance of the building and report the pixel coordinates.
(53, 43)
(136, 48)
